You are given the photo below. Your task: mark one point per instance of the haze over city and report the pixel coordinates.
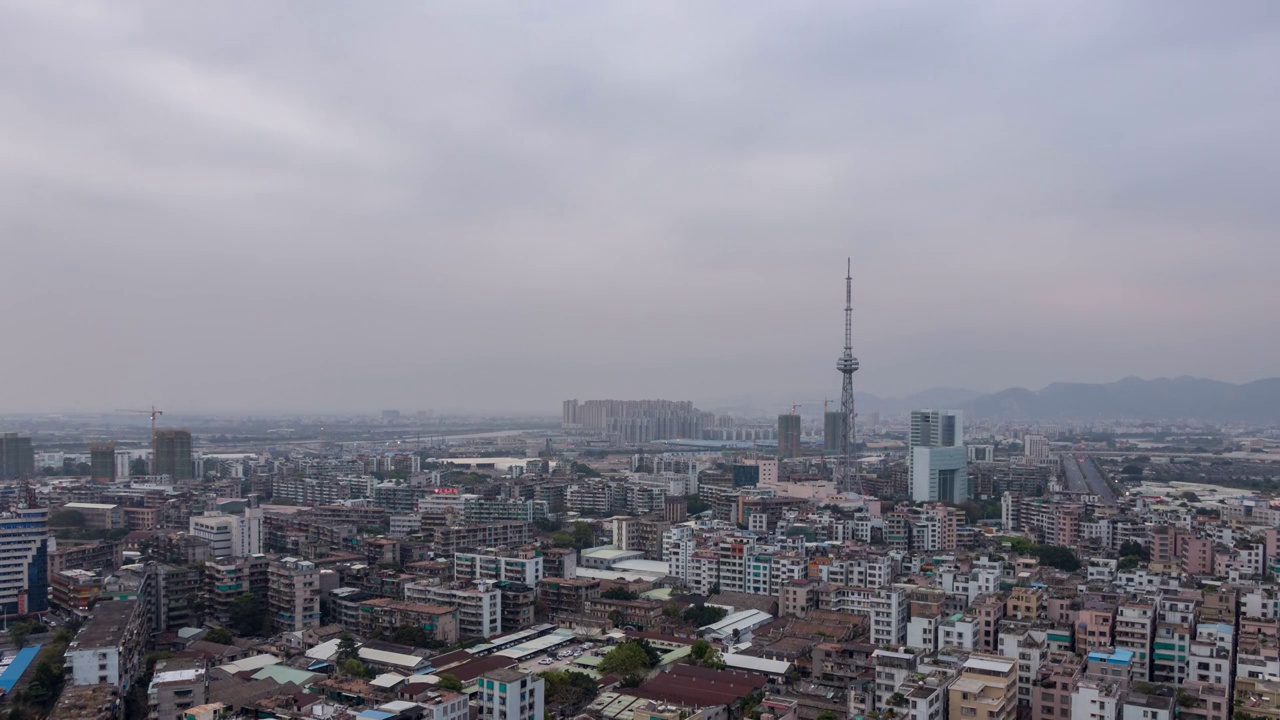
(320, 206)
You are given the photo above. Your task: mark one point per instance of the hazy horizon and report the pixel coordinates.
(766, 404)
(249, 207)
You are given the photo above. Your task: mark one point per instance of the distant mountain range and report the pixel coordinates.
(1180, 398)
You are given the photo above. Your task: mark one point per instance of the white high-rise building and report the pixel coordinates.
(1035, 447)
(939, 474)
(230, 535)
(678, 544)
(936, 457)
(937, 428)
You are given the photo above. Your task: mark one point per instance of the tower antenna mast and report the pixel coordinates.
(848, 365)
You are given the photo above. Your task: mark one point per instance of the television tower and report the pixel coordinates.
(848, 365)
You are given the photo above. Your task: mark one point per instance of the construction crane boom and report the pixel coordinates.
(153, 412)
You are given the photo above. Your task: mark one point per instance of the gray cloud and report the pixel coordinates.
(254, 206)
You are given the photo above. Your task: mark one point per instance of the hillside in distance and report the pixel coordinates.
(810, 404)
(1180, 398)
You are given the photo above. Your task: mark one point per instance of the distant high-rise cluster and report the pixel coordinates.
(937, 458)
(636, 421)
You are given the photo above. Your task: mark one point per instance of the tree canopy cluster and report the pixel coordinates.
(569, 688)
(450, 682)
(703, 615)
(221, 636)
(704, 654)
(578, 537)
(248, 616)
(630, 661)
(695, 505)
(619, 593)
(1062, 558)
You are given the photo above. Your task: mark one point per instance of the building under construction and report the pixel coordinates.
(833, 422)
(17, 457)
(788, 436)
(173, 454)
(102, 461)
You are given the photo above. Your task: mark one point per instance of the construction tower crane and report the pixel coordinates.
(153, 412)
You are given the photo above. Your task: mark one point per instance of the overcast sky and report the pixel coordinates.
(319, 206)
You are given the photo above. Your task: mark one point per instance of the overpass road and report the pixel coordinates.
(1083, 475)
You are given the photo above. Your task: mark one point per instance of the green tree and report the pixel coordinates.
(547, 525)
(18, 633)
(1129, 562)
(703, 615)
(695, 505)
(221, 636)
(138, 466)
(1062, 558)
(1131, 547)
(568, 688)
(584, 470)
(346, 647)
(450, 682)
(46, 683)
(704, 654)
(619, 593)
(630, 661)
(415, 636)
(67, 518)
(355, 668)
(247, 615)
(583, 535)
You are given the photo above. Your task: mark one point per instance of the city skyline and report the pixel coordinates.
(465, 207)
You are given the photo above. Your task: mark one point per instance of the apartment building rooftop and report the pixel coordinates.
(506, 674)
(105, 627)
(85, 702)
